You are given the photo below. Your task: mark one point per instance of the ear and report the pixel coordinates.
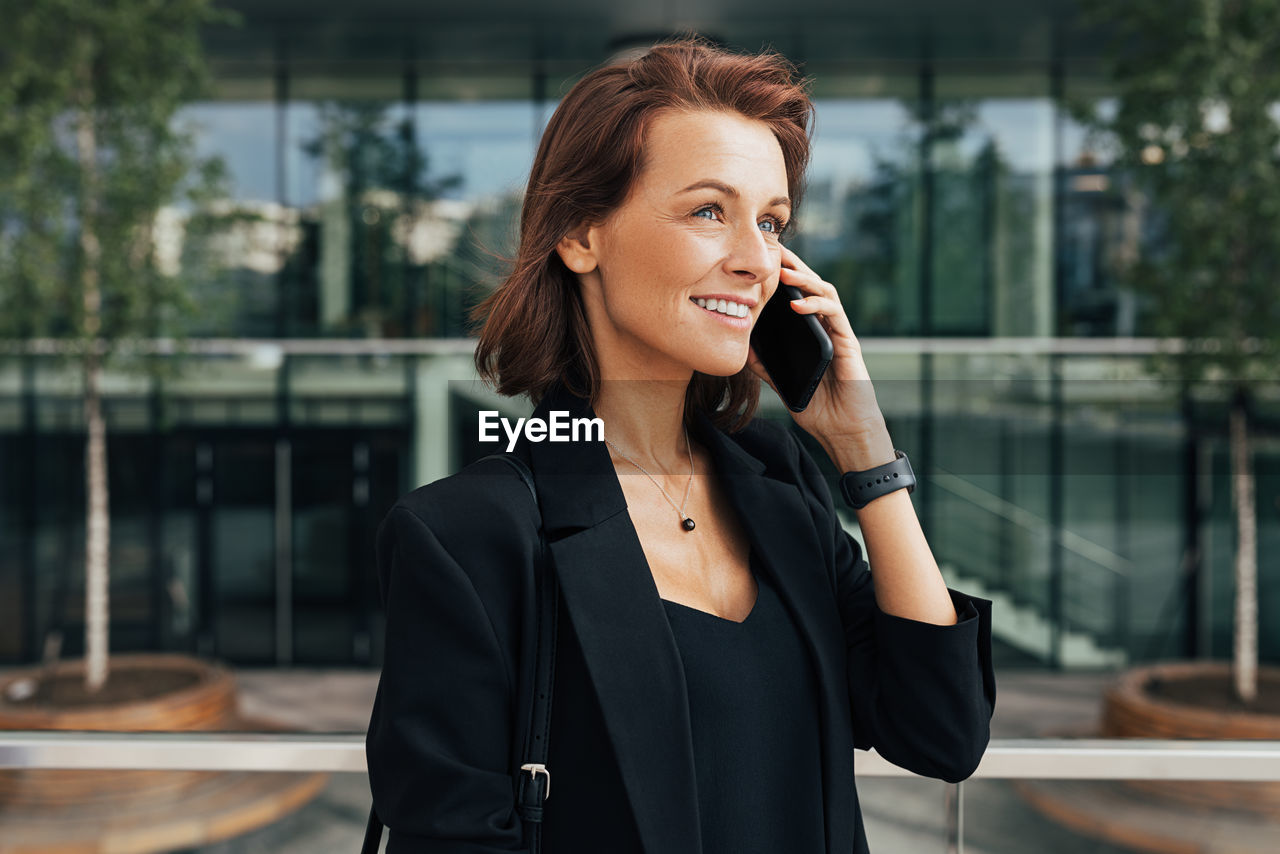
(575, 251)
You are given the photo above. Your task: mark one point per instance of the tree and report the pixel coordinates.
(1194, 140)
(90, 159)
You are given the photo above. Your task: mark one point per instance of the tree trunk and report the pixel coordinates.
(1245, 660)
(97, 531)
(97, 516)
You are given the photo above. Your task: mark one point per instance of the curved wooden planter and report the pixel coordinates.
(1130, 710)
(209, 704)
(138, 811)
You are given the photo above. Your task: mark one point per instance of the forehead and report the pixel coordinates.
(682, 147)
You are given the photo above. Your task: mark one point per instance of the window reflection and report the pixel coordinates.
(243, 134)
(392, 218)
(992, 209)
(402, 210)
(859, 225)
(230, 271)
(388, 216)
(356, 179)
(990, 203)
(1103, 223)
(480, 153)
(382, 219)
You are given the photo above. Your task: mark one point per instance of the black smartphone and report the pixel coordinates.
(794, 348)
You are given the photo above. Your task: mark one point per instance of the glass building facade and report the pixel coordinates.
(376, 160)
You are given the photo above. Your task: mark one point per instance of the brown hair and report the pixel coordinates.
(534, 326)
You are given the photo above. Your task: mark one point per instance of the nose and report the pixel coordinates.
(751, 253)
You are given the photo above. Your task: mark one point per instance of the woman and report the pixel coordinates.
(722, 646)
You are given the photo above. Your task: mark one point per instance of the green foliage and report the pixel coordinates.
(130, 65)
(1195, 132)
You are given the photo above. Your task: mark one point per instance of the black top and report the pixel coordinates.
(754, 712)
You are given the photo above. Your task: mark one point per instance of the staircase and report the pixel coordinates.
(990, 548)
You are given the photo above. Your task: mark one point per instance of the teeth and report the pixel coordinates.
(732, 309)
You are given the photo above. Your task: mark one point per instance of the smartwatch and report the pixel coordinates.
(860, 488)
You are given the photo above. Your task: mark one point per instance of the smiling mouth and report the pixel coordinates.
(726, 307)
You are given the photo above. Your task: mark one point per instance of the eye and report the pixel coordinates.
(779, 226)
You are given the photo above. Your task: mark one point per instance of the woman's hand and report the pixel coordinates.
(843, 414)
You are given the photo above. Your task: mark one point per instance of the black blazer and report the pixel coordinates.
(456, 568)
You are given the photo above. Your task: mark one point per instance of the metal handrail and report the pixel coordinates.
(1031, 758)
(1097, 554)
(1001, 345)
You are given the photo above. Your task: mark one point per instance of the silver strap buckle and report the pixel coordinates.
(533, 768)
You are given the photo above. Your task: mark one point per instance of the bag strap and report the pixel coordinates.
(372, 833)
(529, 796)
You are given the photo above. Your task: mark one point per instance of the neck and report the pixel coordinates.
(645, 418)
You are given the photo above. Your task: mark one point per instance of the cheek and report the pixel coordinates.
(670, 255)
(673, 264)
(690, 243)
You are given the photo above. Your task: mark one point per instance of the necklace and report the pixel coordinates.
(685, 521)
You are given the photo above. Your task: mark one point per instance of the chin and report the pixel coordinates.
(721, 367)
(723, 358)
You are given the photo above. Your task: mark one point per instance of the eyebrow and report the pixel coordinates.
(729, 191)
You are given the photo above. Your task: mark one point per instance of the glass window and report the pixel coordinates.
(231, 273)
(858, 226)
(1099, 227)
(15, 460)
(992, 211)
(351, 176)
(242, 571)
(479, 153)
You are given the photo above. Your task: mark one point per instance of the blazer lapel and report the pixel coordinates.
(627, 643)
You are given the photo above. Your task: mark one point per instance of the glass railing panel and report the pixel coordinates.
(905, 814)
(1118, 816)
(1060, 795)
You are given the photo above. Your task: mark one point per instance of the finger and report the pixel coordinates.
(830, 310)
(789, 255)
(809, 281)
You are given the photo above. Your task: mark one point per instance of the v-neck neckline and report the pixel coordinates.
(755, 606)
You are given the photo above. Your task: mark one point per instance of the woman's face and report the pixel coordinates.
(701, 223)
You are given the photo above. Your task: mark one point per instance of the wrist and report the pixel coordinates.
(861, 451)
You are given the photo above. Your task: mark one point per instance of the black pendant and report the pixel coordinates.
(688, 524)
